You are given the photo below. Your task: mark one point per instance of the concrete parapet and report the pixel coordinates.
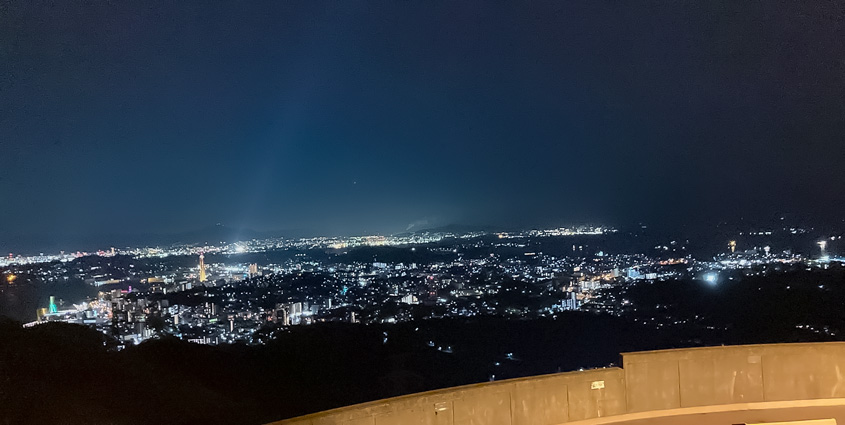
(709, 376)
(649, 381)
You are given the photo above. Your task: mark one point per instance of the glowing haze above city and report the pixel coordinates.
(120, 121)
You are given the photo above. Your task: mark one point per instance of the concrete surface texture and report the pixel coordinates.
(830, 415)
(655, 387)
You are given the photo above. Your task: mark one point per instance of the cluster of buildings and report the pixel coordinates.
(210, 295)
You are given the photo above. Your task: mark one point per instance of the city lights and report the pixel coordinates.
(319, 279)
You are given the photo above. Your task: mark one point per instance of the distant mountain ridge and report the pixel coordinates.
(458, 228)
(33, 244)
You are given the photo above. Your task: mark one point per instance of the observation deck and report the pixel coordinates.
(708, 385)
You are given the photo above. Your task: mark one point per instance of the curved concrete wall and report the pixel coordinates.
(648, 381)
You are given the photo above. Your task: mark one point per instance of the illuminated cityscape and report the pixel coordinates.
(307, 212)
(237, 292)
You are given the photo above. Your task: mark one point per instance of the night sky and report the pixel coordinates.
(350, 117)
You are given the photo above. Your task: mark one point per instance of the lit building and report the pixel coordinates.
(203, 278)
(823, 246)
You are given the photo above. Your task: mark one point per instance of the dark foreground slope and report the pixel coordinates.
(58, 373)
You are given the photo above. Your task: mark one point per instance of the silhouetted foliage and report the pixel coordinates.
(60, 373)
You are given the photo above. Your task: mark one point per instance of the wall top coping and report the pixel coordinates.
(736, 347)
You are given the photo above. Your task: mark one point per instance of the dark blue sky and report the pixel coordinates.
(361, 117)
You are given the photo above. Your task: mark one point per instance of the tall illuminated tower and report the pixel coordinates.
(53, 308)
(202, 268)
(732, 246)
